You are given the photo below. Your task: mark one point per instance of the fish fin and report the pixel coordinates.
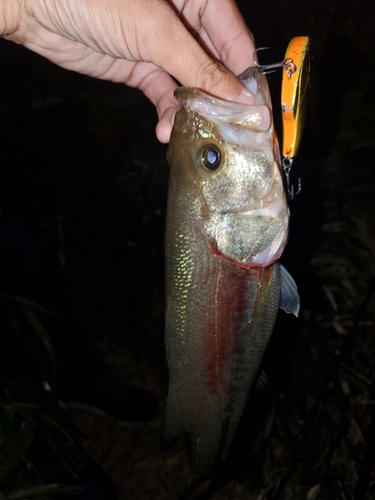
(172, 427)
(261, 383)
(289, 298)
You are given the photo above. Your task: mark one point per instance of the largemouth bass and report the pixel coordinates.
(227, 224)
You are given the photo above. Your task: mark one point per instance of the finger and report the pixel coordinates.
(177, 52)
(159, 87)
(224, 29)
(165, 124)
(229, 34)
(168, 44)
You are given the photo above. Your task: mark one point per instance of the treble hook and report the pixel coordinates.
(288, 64)
(287, 166)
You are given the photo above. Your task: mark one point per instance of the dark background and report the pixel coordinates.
(84, 177)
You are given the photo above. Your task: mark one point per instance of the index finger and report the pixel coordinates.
(225, 29)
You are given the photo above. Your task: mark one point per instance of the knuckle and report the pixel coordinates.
(230, 47)
(212, 76)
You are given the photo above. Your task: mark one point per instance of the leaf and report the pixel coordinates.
(44, 414)
(53, 431)
(2, 439)
(30, 308)
(314, 492)
(26, 433)
(42, 333)
(32, 305)
(14, 319)
(46, 489)
(8, 454)
(47, 418)
(8, 458)
(8, 431)
(270, 419)
(80, 406)
(55, 443)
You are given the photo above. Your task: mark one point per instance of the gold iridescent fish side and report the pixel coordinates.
(227, 224)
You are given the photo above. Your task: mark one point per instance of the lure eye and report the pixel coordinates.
(211, 157)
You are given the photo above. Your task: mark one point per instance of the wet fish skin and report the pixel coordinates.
(225, 230)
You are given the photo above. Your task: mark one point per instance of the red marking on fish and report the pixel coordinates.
(224, 320)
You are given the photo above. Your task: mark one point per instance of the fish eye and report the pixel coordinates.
(211, 157)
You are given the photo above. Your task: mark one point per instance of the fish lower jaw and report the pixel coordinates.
(267, 257)
(263, 259)
(276, 209)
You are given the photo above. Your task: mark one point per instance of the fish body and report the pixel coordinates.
(227, 224)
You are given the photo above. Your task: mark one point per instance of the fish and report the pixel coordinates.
(226, 227)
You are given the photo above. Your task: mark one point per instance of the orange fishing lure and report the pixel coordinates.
(296, 65)
(293, 90)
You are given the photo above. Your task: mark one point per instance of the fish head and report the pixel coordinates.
(228, 161)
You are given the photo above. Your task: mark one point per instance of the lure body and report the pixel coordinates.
(293, 92)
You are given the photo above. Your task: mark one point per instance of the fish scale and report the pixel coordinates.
(226, 228)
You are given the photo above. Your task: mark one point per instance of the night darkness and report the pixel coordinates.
(83, 189)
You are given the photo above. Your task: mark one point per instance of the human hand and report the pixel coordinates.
(143, 43)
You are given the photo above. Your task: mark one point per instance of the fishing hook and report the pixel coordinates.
(287, 63)
(287, 166)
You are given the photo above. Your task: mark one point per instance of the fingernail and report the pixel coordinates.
(165, 124)
(245, 97)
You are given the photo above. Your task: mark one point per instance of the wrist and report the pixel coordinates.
(10, 15)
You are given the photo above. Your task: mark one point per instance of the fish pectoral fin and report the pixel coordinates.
(173, 429)
(289, 298)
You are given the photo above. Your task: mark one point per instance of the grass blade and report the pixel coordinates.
(12, 436)
(46, 489)
(39, 329)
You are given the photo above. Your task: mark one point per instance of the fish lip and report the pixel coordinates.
(251, 117)
(186, 94)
